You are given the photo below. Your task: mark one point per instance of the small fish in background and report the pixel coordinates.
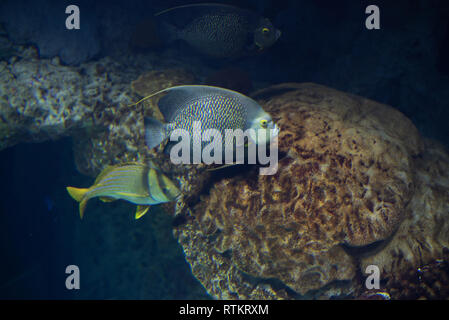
(141, 184)
(218, 30)
(215, 107)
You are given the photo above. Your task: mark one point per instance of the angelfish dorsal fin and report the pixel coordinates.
(200, 5)
(179, 97)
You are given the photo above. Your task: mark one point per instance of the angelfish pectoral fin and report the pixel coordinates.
(141, 210)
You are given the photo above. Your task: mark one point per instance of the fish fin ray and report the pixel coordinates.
(223, 167)
(148, 97)
(200, 6)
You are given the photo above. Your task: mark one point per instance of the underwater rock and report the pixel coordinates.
(40, 99)
(350, 175)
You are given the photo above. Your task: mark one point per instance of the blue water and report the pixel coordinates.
(125, 259)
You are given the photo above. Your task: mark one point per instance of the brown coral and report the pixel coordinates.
(352, 169)
(423, 236)
(345, 182)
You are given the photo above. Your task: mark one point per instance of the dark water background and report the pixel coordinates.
(405, 64)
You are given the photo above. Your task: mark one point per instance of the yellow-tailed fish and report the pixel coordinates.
(138, 183)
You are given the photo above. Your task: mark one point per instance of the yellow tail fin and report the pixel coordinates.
(77, 193)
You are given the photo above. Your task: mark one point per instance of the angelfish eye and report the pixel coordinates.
(263, 123)
(265, 30)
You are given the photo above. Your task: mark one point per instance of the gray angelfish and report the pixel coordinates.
(218, 30)
(216, 108)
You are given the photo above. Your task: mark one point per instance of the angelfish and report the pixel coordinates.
(218, 30)
(141, 184)
(216, 108)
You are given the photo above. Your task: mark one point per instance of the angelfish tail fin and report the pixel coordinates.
(154, 132)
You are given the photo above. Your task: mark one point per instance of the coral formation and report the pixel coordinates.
(348, 179)
(41, 99)
(423, 236)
